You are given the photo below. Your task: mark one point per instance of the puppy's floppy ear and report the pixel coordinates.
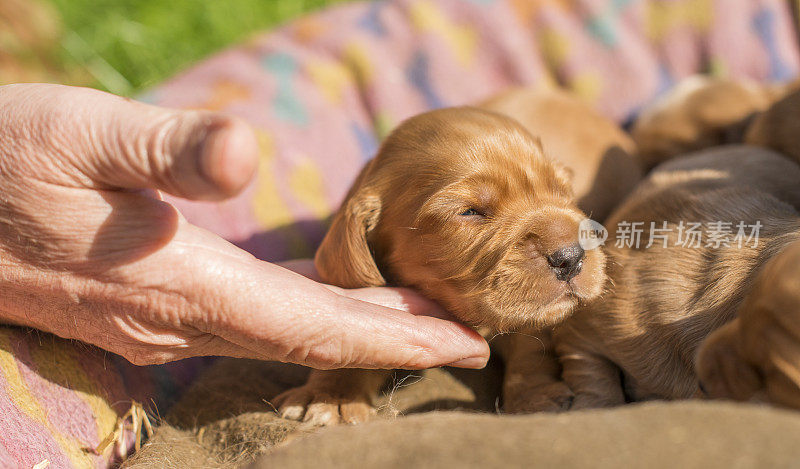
(344, 258)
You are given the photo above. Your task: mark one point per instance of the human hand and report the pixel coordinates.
(88, 250)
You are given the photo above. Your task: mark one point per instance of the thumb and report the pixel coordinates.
(116, 142)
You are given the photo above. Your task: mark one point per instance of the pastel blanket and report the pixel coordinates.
(321, 93)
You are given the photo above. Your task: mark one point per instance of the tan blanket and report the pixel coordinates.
(226, 420)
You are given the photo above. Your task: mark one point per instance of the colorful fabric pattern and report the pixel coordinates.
(59, 399)
(322, 92)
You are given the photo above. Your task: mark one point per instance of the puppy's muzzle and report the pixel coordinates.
(567, 262)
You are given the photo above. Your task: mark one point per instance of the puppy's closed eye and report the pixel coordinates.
(469, 218)
(473, 212)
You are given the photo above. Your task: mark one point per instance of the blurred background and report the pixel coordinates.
(126, 46)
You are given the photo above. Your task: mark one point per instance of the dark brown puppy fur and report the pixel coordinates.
(757, 355)
(779, 128)
(463, 205)
(642, 339)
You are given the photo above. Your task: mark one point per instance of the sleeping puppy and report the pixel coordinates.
(605, 168)
(602, 157)
(646, 337)
(463, 205)
(700, 112)
(757, 355)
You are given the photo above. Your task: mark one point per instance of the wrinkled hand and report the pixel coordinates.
(89, 251)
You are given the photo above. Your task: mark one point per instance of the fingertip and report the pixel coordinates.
(474, 363)
(465, 348)
(476, 344)
(229, 157)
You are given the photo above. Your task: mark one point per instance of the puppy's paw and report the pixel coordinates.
(551, 397)
(721, 370)
(757, 354)
(323, 407)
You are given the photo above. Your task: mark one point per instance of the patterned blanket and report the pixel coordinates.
(321, 93)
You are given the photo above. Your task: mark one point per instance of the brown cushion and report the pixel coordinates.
(653, 435)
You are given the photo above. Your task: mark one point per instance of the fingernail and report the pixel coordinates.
(229, 157)
(213, 147)
(473, 362)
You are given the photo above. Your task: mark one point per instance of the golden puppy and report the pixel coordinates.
(601, 155)
(700, 112)
(605, 167)
(670, 291)
(463, 205)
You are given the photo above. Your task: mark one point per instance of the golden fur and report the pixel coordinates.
(463, 205)
(402, 221)
(700, 112)
(601, 155)
(670, 314)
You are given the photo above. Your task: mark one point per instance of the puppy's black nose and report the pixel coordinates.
(567, 262)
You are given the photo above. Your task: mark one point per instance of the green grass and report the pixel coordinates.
(130, 45)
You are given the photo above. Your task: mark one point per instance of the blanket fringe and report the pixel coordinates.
(138, 425)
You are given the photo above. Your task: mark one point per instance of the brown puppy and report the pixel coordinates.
(700, 112)
(605, 170)
(640, 341)
(779, 127)
(463, 205)
(757, 355)
(599, 153)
